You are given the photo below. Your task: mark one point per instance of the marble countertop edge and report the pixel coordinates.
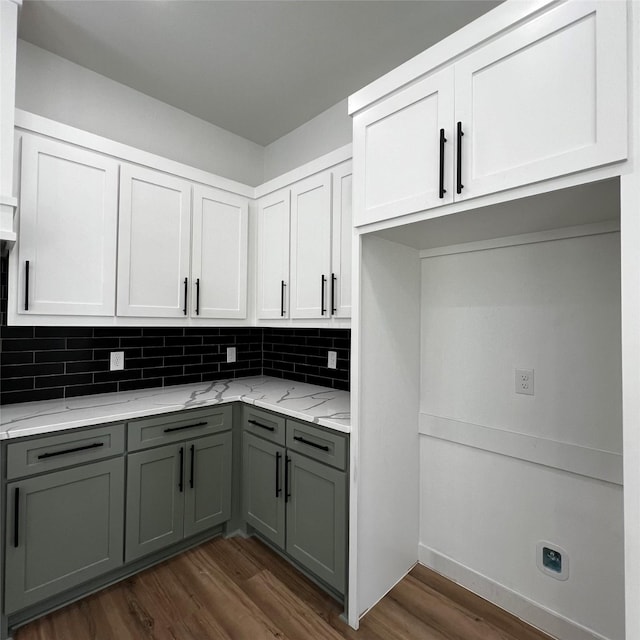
(311, 403)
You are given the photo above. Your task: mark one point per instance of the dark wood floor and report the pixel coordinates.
(238, 589)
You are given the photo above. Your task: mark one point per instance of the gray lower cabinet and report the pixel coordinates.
(63, 528)
(262, 495)
(176, 491)
(316, 518)
(296, 495)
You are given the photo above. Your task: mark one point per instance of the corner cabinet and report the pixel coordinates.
(68, 224)
(304, 248)
(546, 99)
(295, 491)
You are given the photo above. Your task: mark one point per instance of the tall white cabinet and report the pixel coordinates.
(153, 244)
(68, 219)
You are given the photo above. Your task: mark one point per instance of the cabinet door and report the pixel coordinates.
(155, 499)
(68, 219)
(398, 142)
(273, 255)
(311, 247)
(342, 238)
(262, 487)
(64, 528)
(545, 100)
(316, 518)
(208, 485)
(219, 254)
(153, 243)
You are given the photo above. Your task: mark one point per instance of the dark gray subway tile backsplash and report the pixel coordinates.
(41, 363)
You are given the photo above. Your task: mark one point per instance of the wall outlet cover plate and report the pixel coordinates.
(552, 560)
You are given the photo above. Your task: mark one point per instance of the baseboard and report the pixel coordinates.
(515, 603)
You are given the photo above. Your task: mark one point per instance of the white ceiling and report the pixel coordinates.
(256, 68)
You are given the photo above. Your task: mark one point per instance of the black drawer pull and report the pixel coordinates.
(16, 518)
(181, 480)
(53, 454)
(262, 426)
(287, 494)
(187, 426)
(311, 444)
(193, 466)
(441, 189)
(460, 133)
(26, 285)
(278, 487)
(333, 293)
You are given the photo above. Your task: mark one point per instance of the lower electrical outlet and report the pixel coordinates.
(116, 361)
(332, 360)
(231, 354)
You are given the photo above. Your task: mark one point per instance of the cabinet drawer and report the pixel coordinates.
(264, 424)
(64, 450)
(175, 427)
(326, 446)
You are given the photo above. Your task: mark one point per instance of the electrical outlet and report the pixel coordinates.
(116, 361)
(524, 381)
(332, 360)
(231, 354)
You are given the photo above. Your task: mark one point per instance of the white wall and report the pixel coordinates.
(553, 307)
(324, 133)
(56, 88)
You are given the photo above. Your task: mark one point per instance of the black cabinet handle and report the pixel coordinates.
(186, 290)
(442, 190)
(16, 518)
(459, 185)
(26, 285)
(282, 286)
(188, 426)
(287, 494)
(323, 308)
(259, 424)
(311, 444)
(197, 296)
(193, 463)
(333, 293)
(53, 454)
(278, 487)
(181, 479)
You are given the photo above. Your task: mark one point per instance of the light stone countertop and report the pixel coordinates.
(320, 405)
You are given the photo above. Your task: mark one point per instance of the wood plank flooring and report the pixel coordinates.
(238, 589)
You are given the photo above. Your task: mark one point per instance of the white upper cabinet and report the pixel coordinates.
(545, 100)
(219, 254)
(67, 244)
(304, 248)
(405, 163)
(273, 255)
(342, 234)
(311, 247)
(153, 243)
